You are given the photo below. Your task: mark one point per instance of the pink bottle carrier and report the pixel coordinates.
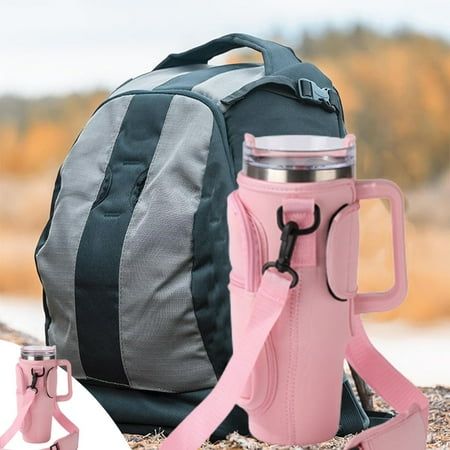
(295, 305)
(36, 376)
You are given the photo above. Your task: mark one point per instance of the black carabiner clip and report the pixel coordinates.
(34, 379)
(289, 234)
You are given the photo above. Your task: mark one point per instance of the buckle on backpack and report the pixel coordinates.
(311, 93)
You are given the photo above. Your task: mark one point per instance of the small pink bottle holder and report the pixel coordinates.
(295, 306)
(37, 399)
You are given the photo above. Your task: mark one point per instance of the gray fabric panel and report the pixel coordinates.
(81, 176)
(151, 80)
(224, 84)
(162, 348)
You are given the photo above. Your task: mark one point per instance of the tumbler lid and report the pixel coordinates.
(38, 352)
(298, 158)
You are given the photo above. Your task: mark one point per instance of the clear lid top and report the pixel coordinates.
(299, 152)
(38, 352)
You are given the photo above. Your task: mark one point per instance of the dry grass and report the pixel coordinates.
(438, 431)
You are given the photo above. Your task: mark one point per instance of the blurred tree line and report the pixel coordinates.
(36, 134)
(396, 94)
(395, 89)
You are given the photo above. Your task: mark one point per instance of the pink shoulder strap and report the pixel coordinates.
(272, 295)
(69, 442)
(406, 431)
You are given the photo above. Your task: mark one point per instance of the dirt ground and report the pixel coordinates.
(438, 431)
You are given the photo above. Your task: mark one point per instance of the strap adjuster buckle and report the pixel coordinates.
(54, 446)
(311, 93)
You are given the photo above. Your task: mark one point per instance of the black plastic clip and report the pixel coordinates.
(311, 93)
(34, 379)
(289, 234)
(54, 446)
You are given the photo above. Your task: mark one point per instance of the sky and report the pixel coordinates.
(52, 47)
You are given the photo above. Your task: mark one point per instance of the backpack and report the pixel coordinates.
(134, 258)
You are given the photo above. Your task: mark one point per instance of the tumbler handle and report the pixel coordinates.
(383, 301)
(68, 366)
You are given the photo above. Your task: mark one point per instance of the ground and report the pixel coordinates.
(438, 431)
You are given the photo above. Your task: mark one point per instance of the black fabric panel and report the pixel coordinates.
(211, 264)
(98, 259)
(144, 412)
(42, 239)
(379, 417)
(282, 115)
(189, 80)
(353, 417)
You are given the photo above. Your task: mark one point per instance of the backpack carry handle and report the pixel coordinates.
(276, 56)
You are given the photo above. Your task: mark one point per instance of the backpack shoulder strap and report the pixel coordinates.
(407, 430)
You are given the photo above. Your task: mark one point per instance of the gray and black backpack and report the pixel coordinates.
(134, 258)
